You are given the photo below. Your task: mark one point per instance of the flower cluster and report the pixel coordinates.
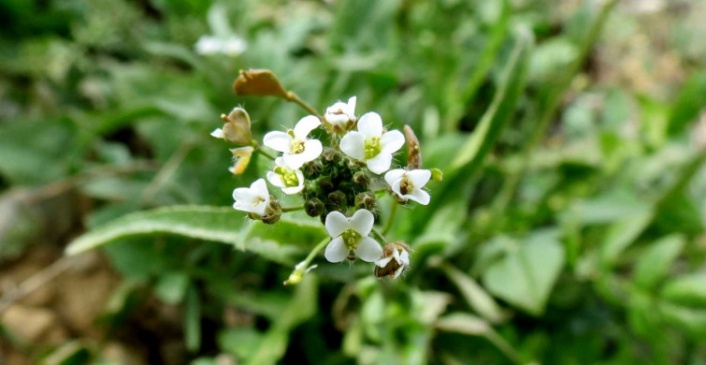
(341, 167)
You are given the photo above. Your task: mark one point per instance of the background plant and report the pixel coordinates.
(568, 227)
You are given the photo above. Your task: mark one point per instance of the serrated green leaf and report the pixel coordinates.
(201, 222)
(279, 242)
(525, 277)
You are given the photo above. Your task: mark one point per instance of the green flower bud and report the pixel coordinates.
(326, 184)
(338, 198)
(314, 207)
(330, 155)
(361, 178)
(366, 200)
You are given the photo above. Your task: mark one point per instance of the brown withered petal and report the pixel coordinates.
(414, 151)
(237, 127)
(258, 82)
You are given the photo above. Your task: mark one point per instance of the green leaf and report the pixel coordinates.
(472, 154)
(192, 320)
(622, 234)
(241, 342)
(301, 307)
(475, 295)
(654, 264)
(525, 277)
(693, 320)
(465, 323)
(687, 290)
(200, 222)
(171, 287)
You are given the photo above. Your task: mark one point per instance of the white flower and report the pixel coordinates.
(231, 46)
(290, 180)
(297, 149)
(341, 114)
(394, 261)
(408, 184)
(351, 234)
(254, 199)
(371, 145)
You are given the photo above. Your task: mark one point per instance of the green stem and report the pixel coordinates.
(259, 149)
(296, 276)
(292, 96)
(292, 209)
(381, 238)
(393, 210)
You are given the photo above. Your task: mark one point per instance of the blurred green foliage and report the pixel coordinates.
(568, 228)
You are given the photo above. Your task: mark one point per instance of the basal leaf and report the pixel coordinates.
(525, 277)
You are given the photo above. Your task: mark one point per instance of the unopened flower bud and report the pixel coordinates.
(366, 200)
(314, 207)
(361, 178)
(236, 129)
(414, 151)
(337, 198)
(330, 155)
(311, 170)
(394, 261)
(273, 212)
(326, 184)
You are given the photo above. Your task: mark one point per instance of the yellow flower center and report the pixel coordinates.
(372, 147)
(289, 176)
(351, 239)
(406, 186)
(297, 146)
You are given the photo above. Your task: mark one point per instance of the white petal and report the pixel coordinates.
(278, 141)
(368, 250)
(383, 261)
(380, 163)
(312, 150)
(306, 125)
(370, 124)
(362, 221)
(394, 175)
(242, 207)
(396, 255)
(218, 133)
(260, 208)
(395, 186)
(336, 223)
(259, 188)
(351, 107)
(336, 251)
(275, 179)
(293, 189)
(404, 258)
(244, 195)
(352, 144)
(392, 141)
(294, 161)
(337, 119)
(419, 196)
(419, 178)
